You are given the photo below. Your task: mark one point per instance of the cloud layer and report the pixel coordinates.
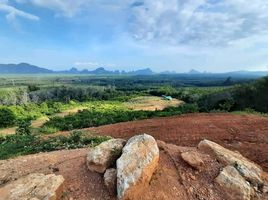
(13, 12)
(191, 22)
(206, 22)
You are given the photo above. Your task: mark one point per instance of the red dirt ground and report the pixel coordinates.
(247, 134)
(174, 179)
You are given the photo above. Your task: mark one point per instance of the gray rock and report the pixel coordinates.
(110, 180)
(136, 166)
(34, 186)
(234, 185)
(104, 155)
(249, 170)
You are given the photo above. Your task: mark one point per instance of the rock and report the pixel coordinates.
(234, 185)
(110, 180)
(104, 155)
(136, 166)
(193, 159)
(34, 187)
(249, 170)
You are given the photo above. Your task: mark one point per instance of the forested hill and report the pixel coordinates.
(22, 68)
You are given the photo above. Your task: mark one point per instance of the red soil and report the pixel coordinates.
(174, 179)
(247, 134)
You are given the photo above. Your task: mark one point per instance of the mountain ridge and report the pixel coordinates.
(25, 68)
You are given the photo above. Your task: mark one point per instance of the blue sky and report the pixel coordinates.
(177, 35)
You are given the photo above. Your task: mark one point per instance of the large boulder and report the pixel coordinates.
(249, 170)
(136, 166)
(234, 185)
(104, 155)
(110, 180)
(34, 186)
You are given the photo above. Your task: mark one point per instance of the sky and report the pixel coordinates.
(174, 35)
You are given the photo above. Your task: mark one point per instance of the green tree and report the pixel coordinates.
(7, 118)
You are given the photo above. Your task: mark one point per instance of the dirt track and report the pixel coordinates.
(247, 134)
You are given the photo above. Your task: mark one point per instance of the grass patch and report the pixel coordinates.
(15, 145)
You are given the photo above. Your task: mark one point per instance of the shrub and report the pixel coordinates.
(23, 144)
(7, 118)
(24, 127)
(97, 117)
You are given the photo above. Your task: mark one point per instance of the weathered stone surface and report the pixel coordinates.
(33, 187)
(234, 185)
(249, 170)
(136, 166)
(110, 180)
(193, 159)
(104, 155)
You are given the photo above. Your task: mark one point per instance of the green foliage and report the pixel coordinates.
(251, 95)
(187, 94)
(17, 144)
(98, 117)
(32, 88)
(7, 117)
(23, 127)
(48, 130)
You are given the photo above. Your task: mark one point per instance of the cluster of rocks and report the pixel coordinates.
(127, 168)
(127, 165)
(239, 179)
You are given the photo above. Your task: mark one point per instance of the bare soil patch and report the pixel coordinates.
(151, 103)
(247, 134)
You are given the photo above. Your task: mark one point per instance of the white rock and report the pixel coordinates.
(34, 187)
(193, 159)
(136, 166)
(104, 155)
(234, 185)
(249, 170)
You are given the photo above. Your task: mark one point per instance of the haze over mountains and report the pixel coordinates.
(25, 68)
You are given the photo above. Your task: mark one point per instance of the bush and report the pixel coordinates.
(7, 118)
(24, 127)
(96, 117)
(23, 144)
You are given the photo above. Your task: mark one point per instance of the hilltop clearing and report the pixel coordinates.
(245, 133)
(208, 171)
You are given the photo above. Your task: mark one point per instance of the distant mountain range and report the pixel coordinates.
(25, 68)
(22, 68)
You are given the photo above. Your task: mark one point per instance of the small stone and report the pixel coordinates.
(110, 180)
(193, 159)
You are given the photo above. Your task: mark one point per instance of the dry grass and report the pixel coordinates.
(151, 103)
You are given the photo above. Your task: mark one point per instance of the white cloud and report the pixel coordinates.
(67, 8)
(198, 22)
(13, 12)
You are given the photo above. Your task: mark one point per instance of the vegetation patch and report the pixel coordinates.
(98, 117)
(23, 144)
